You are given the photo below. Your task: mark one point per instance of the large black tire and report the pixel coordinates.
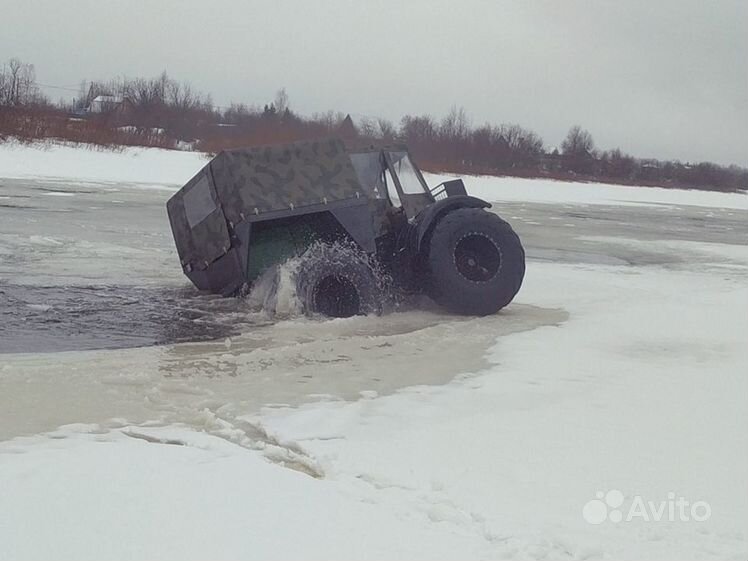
(337, 281)
(476, 262)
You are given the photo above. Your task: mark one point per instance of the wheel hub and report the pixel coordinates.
(477, 257)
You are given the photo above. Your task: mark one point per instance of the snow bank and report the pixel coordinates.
(158, 167)
(81, 493)
(151, 166)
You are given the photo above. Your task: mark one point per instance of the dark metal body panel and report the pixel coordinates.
(358, 222)
(224, 276)
(198, 223)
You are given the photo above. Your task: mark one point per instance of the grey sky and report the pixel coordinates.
(664, 78)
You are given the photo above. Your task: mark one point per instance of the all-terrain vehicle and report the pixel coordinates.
(347, 215)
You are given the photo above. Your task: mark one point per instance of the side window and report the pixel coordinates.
(198, 202)
(369, 171)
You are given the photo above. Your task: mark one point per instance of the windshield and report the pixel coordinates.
(410, 179)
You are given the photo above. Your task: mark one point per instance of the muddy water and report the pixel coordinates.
(283, 363)
(51, 319)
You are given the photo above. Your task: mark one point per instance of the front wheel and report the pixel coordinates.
(476, 262)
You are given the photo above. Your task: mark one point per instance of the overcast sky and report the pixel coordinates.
(664, 78)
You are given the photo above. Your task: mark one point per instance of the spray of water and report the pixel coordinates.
(275, 291)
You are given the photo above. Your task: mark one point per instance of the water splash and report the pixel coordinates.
(276, 290)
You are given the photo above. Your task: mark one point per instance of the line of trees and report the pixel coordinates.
(18, 85)
(453, 143)
(162, 111)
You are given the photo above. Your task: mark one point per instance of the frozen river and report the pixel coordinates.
(89, 281)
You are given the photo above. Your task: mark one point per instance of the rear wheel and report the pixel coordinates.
(476, 262)
(337, 281)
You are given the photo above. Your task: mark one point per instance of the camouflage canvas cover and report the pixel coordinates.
(260, 180)
(253, 184)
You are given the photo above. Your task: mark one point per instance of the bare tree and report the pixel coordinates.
(18, 84)
(456, 125)
(418, 129)
(145, 93)
(385, 129)
(4, 87)
(281, 101)
(181, 96)
(330, 120)
(525, 145)
(578, 142)
(367, 128)
(15, 68)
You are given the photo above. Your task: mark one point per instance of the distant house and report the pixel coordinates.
(347, 130)
(109, 104)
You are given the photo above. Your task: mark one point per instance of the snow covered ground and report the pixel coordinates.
(620, 368)
(89, 163)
